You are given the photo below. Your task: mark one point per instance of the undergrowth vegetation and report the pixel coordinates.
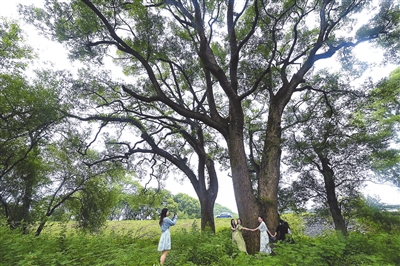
(135, 243)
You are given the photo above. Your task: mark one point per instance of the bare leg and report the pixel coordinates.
(163, 256)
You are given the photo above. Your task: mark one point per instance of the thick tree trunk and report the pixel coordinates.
(268, 180)
(207, 195)
(207, 212)
(265, 205)
(244, 195)
(246, 202)
(329, 181)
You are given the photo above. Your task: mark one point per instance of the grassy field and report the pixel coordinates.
(153, 224)
(138, 228)
(134, 243)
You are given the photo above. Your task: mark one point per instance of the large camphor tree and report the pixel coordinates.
(231, 67)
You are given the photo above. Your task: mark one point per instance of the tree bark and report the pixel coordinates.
(26, 202)
(329, 181)
(207, 196)
(246, 202)
(40, 228)
(207, 212)
(270, 169)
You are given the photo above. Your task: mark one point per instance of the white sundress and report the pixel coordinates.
(264, 239)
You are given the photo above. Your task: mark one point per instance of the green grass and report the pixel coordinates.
(144, 228)
(134, 243)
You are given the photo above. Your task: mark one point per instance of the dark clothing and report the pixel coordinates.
(281, 230)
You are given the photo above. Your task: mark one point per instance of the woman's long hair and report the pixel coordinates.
(233, 225)
(163, 215)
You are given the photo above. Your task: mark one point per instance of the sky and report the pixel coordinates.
(54, 52)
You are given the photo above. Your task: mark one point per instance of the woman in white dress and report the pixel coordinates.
(264, 238)
(165, 240)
